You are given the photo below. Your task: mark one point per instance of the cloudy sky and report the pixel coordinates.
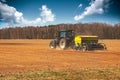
(49, 12)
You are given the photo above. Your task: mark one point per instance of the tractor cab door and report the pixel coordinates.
(61, 34)
(68, 34)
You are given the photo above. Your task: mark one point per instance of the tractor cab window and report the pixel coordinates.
(65, 34)
(69, 34)
(62, 34)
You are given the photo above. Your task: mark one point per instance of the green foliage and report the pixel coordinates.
(97, 74)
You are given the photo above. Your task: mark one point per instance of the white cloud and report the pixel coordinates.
(10, 15)
(46, 14)
(96, 7)
(13, 17)
(80, 5)
(3, 0)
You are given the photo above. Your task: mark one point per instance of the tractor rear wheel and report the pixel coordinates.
(63, 43)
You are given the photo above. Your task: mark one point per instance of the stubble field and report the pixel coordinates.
(20, 56)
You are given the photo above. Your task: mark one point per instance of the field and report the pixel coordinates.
(24, 56)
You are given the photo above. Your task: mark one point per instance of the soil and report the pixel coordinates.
(19, 56)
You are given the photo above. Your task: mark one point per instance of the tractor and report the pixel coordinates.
(67, 38)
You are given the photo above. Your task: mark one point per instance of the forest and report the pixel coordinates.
(104, 31)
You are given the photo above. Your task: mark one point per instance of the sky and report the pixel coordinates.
(51, 12)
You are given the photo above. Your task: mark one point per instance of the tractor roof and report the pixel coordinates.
(65, 30)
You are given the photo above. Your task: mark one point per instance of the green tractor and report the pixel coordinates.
(67, 38)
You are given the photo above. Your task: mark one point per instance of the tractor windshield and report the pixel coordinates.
(65, 34)
(62, 34)
(69, 34)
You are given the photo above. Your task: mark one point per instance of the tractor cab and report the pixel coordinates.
(67, 34)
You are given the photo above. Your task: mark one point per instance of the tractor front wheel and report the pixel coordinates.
(52, 44)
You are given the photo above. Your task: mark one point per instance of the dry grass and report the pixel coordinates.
(97, 74)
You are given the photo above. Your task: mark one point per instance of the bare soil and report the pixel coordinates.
(19, 56)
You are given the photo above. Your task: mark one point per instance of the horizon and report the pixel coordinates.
(58, 24)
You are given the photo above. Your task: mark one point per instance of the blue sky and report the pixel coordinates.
(49, 12)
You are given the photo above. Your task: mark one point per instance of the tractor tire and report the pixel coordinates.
(102, 46)
(84, 48)
(73, 45)
(63, 43)
(52, 44)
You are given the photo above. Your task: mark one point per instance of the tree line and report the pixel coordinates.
(104, 31)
